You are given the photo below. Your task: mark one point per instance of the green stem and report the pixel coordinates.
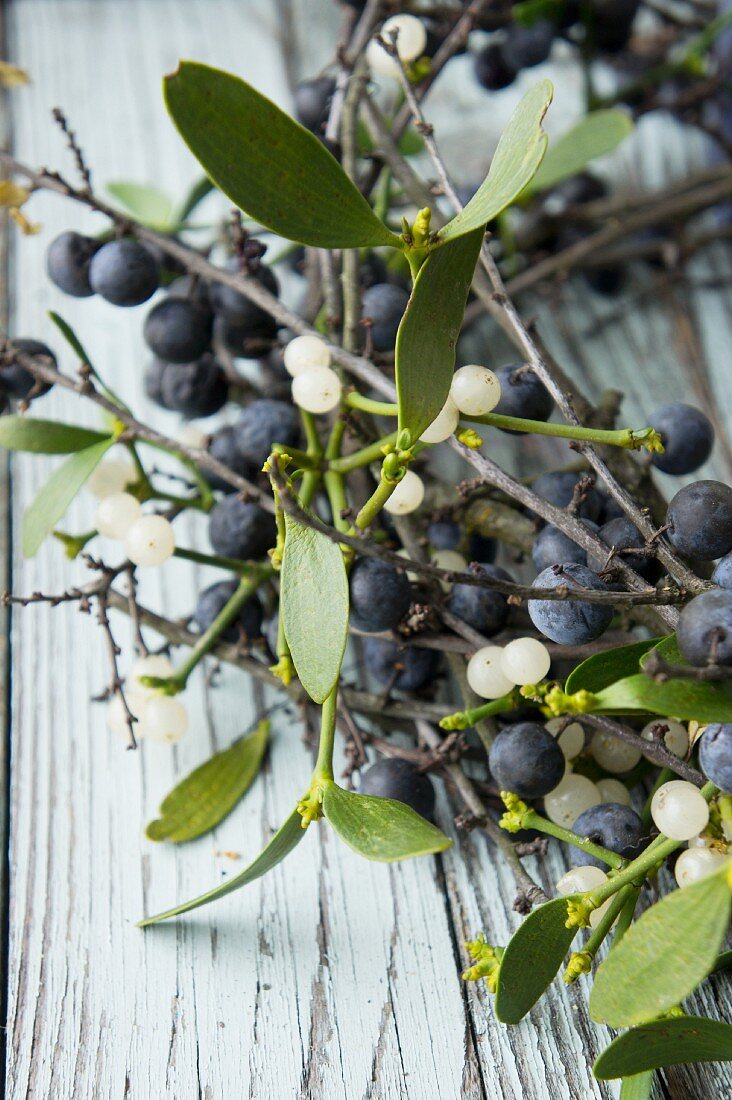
(323, 771)
(314, 446)
(335, 487)
(356, 400)
(533, 820)
(308, 486)
(382, 201)
(463, 719)
(374, 504)
(631, 438)
(299, 458)
(626, 917)
(373, 453)
(231, 565)
(246, 589)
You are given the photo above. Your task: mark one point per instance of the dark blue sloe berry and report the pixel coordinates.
(192, 288)
(609, 508)
(688, 437)
(623, 534)
(400, 780)
(722, 574)
(612, 826)
(373, 270)
(444, 534)
(704, 632)
(15, 380)
(246, 626)
(194, 389)
(124, 273)
(240, 530)
(178, 330)
(483, 609)
(405, 667)
(492, 71)
(67, 263)
(312, 102)
(570, 622)
(558, 488)
(262, 424)
(700, 520)
(524, 47)
(715, 755)
(552, 546)
(384, 304)
(522, 394)
(153, 382)
(239, 310)
(243, 341)
(223, 446)
(527, 760)
(380, 596)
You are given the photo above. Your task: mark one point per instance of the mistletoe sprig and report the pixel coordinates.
(365, 438)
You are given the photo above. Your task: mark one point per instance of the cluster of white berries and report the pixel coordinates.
(494, 670)
(474, 391)
(680, 811)
(160, 718)
(316, 388)
(148, 539)
(410, 44)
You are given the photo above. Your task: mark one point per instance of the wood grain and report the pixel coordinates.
(330, 978)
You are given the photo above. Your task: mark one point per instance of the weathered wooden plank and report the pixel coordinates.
(331, 977)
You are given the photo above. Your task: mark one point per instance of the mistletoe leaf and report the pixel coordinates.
(287, 837)
(53, 498)
(532, 959)
(200, 801)
(270, 166)
(314, 607)
(380, 829)
(664, 1043)
(663, 956)
(519, 154)
(429, 330)
(45, 437)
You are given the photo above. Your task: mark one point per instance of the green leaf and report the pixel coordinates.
(637, 1087)
(664, 956)
(429, 330)
(664, 1043)
(287, 837)
(269, 165)
(519, 154)
(204, 798)
(593, 136)
(45, 437)
(530, 963)
(603, 669)
(146, 202)
(314, 607)
(49, 505)
(684, 699)
(380, 828)
(668, 648)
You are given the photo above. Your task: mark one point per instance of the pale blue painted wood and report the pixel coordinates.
(331, 978)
